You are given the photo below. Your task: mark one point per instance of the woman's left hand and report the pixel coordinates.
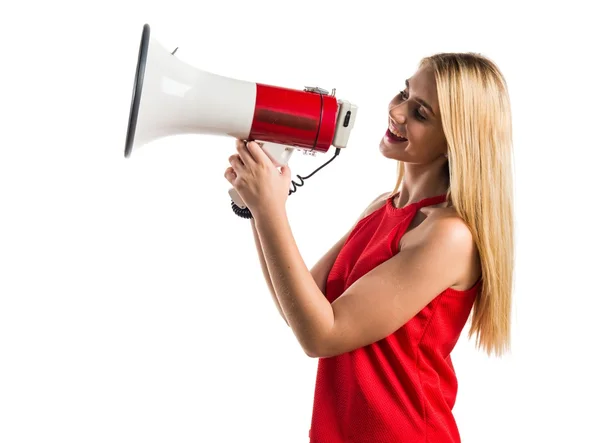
(256, 178)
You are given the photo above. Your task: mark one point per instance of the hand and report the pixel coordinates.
(256, 178)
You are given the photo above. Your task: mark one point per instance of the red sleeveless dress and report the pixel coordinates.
(402, 388)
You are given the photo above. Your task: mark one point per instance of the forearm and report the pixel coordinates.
(306, 309)
(265, 270)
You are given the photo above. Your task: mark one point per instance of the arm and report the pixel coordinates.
(320, 271)
(384, 299)
(304, 305)
(378, 303)
(265, 270)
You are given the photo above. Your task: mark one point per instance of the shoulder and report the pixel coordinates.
(451, 230)
(446, 234)
(377, 203)
(444, 227)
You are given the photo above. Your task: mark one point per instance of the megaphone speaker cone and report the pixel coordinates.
(137, 89)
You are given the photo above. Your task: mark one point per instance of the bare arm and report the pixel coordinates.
(320, 271)
(263, 265)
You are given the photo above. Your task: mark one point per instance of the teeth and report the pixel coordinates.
(393, 131)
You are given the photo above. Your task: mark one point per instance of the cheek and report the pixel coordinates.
(416, 133)
(423, 135)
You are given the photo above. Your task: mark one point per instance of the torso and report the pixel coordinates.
(416, 232)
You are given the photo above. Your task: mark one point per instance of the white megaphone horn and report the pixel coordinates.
(171, 97)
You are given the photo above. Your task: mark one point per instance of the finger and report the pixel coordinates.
(230, 175)
(244, 153)
(257, 152)
(236, 162)
(239, 143)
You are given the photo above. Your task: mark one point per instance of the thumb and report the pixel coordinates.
(285, 171)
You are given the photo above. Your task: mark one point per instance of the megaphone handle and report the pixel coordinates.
(235, 197)
(279, 155)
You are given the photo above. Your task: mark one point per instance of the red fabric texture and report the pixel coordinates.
(401, 388)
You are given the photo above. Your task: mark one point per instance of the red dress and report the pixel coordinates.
(401, 388)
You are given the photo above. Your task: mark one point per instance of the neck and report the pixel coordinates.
(423, 181)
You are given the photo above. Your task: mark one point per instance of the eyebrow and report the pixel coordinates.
(420, 100)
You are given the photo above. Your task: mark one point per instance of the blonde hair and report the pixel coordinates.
(476, 120)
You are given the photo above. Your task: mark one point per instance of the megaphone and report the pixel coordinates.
(171, 97)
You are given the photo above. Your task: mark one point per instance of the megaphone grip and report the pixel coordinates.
(235, 197)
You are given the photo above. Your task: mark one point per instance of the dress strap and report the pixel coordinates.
(412, 207)
(428, 201)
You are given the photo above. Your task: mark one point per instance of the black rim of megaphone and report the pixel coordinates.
(137, 89)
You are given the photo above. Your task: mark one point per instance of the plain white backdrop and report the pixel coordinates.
(132, 304)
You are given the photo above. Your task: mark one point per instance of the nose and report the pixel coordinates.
(397, 113)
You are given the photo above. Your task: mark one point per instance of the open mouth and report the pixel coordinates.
(394, 136)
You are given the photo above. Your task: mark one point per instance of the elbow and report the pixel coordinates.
(315, 352)
(327, 349)
(321, 346)
(311, 351)
(311, 354)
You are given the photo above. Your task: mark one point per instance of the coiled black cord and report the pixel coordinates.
(245, 212)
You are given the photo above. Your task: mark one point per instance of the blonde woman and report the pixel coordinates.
(383, 309)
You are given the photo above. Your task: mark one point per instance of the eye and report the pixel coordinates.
(404, 96)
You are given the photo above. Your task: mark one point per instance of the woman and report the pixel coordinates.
(383, 309)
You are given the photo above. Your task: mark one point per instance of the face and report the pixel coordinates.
(410, 117)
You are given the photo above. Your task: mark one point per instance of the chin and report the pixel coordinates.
(392, 152)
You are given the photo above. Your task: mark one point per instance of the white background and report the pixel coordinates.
(132, 304)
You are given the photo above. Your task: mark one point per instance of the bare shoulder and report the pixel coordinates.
(444, 218)
(445, 222)
(445, 225)
(444, 228)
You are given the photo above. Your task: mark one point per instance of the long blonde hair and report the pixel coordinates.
(477, 123)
